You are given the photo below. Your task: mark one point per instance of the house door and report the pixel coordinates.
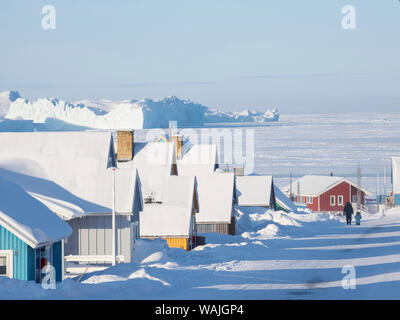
(43, 257)
(6, 263)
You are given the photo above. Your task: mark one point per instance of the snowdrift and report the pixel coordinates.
(133, 114)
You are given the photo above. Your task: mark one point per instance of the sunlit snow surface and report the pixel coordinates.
(304, 258)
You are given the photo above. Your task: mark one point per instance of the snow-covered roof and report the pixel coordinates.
(254, 190)
(312, 185)
(396, 174)
(215, 192)
(199, 159)
(154, 162)
(165, 221)
(178, 191)
(171, 216)
(284, 201)
(27, 218)
(67, 171)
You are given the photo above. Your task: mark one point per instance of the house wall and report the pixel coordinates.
(341, 189)
(221, 228)
(314, 205)
(137, 205)
(183, 243)
(57, 259)
(24, 256)
(272, 203)
(178, 242)
(23, 264)
(354, 193)
(397, 199)
(92, 235)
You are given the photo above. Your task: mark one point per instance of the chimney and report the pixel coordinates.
(238, 171)
(124, 145)
(178, 141)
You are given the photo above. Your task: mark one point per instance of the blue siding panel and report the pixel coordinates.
(397, 199)
(8, 241)
(31, 264)
(57, 259)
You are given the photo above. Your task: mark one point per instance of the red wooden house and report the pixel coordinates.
(326, 193)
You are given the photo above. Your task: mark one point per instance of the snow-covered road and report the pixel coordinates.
(303, 259)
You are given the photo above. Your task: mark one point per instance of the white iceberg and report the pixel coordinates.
(127, 114)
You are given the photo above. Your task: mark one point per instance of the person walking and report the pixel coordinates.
(348, 211)
(358, 218)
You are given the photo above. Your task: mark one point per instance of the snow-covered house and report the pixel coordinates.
(30, 235)
(215, 190)
(255, 191)
(396, 180)
(216, 196)
(68, 172)
(170, 214)
(283, 202)
(326, 193)
(170, 202)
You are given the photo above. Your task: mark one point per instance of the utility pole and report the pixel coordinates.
(378, 191)
(359, 188)
(298, 191)
(384, 181)
(291, 191)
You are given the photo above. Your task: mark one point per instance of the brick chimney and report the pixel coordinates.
(125, 145)
(238, 171)
(178, 142)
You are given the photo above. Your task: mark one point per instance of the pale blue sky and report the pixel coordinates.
(228, 54)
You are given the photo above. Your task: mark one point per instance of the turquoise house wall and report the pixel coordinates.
(21, 254)
(397, 199)
(57, 259)
(24, 256)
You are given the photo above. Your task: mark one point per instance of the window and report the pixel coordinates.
(332, 201)
(340, 200)
(6, 263)
(310, 200)
(3, 266)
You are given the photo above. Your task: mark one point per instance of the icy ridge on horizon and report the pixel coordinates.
(6, 98)
(142, 114)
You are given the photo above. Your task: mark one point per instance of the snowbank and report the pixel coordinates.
(142, 114)
(259, 223)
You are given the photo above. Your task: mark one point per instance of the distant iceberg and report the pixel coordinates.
(6, 98)
(128, 114)
(216, 116)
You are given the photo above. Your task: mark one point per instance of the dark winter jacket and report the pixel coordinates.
(348, 210)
